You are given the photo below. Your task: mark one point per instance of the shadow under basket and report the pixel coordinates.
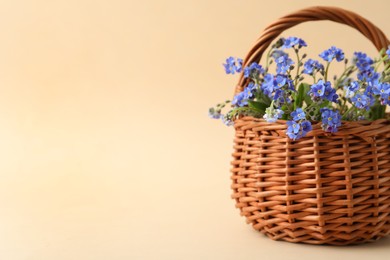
(323, 188)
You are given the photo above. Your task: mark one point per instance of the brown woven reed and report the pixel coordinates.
(323, 188)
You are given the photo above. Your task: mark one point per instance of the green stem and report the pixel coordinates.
(346, 113)
(343, 106)
(326, 71)
(267, 58)
(298, 67)
(310, 106)
(380, 61)
(346, 73)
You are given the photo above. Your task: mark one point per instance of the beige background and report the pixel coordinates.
(105, 145)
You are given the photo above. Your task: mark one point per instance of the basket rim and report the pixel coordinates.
(365, 129)
(343, 122)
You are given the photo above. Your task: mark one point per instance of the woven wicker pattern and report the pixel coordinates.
(323, 188)
(320, 189)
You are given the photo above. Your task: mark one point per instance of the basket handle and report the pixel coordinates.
(315, 13)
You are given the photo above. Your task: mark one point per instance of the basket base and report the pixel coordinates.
(323, 239)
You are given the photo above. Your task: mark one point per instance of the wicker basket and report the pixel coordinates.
(323, 188)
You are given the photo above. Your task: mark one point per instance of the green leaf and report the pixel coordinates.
(378, 111)
(263, 98)
(325, 103)
(257, 106)
(267, 100)
(306, 96)
(298, 102)
(285, 115)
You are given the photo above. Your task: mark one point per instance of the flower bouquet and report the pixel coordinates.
(300, 91)
(312, 151)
